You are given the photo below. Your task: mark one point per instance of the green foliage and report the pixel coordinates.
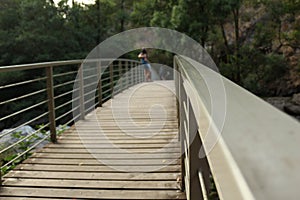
(260, 70)
(38, 30)
(264, 35)
(14, 154)
(23, 146)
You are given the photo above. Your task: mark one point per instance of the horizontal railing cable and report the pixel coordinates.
(23, 96)
(22, 83)
(23, 110)
(66, 103)
(66, 93)
(64, 84)
(26, 151)
(23, 124)
(21, 140)
(64, 74)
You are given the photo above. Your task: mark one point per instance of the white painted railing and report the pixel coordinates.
(252, 148)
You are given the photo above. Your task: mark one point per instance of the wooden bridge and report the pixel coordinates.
(131, 139)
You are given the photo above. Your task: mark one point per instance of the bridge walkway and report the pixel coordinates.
(126, 149)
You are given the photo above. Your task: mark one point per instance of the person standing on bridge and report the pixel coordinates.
(145, 62)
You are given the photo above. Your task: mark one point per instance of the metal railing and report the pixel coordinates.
(47, 97)
(256, 155)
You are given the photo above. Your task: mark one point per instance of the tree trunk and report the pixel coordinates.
(98, 22)
(237, 43)
(122, 17)
(224, 37)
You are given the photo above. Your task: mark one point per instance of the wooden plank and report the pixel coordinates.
(79, 162)
(113, 121)
(109, 146)
(108, 156)
(89, 193)
(123, 132)
(120, 132)
(133, 142)
(140, 184)
(81, 168)
(107, 151)
(133, 131)
(93, 176)
(117, 137)
(129, 128)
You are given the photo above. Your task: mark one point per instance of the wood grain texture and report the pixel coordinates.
(86, 161)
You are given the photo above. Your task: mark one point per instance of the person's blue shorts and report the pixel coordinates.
(147, 66)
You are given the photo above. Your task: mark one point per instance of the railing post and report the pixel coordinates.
(111, 75)
(196, 164)
(51, 103)
(129, 74)
(126, 71)
(99, 83)
(0, 178)
(193, 153)
(136, 73)
(133, 72)
(81, 93)
(182, 134)
(177, 91)
(140, 73)
(120, 75)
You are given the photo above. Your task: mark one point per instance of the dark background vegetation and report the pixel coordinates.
(255, 43)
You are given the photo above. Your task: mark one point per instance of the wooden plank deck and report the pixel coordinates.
(135, 158)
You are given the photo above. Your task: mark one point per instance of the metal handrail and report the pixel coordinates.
(255, 156)
(56, 91)
(23, 110)
(39, 65)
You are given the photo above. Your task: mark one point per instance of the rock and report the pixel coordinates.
(292, 109)
(278, 102)
(288, 51)
(9, 139)
(293, 60)
(24, 130)
(296, 99)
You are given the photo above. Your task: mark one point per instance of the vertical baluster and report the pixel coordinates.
(193, 156)
(111, 75)
(51, 103)
(177, 91)
(196, 164)
(133, 72)
(120, 76)
(130, 74)
(0, 178)
(126, 71)
(99, 83)
(140, 73)
(136, 73)
(81, 93)
(182, 134)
